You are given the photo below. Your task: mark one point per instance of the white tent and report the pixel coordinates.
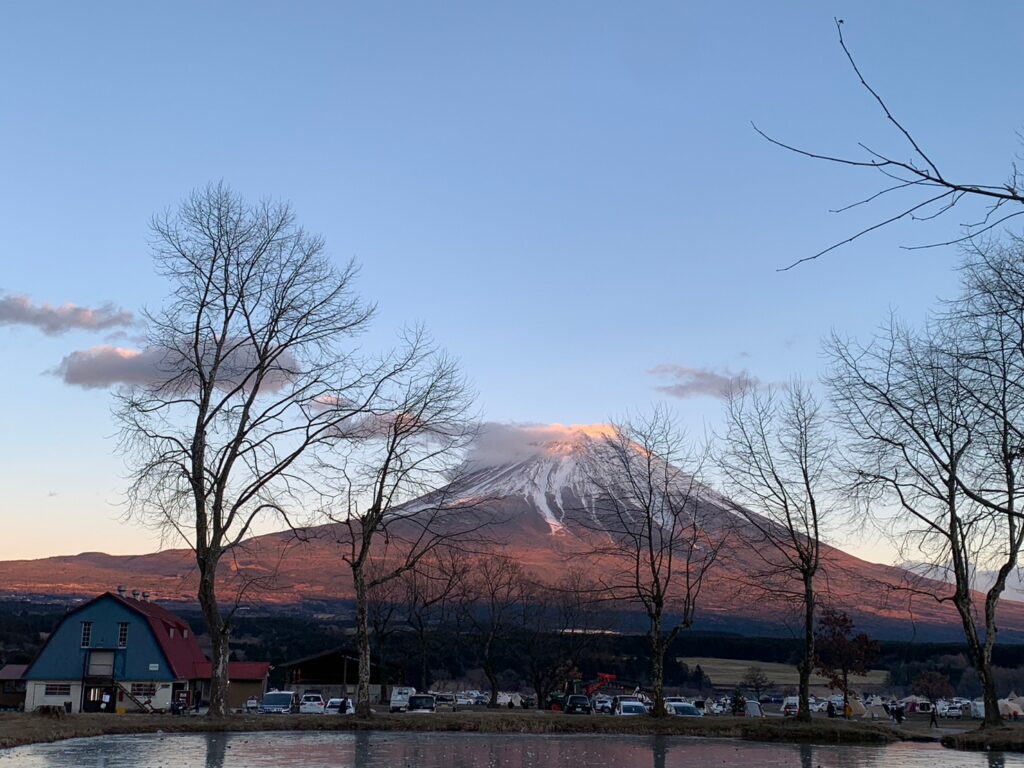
(1009, 708)
(876, 712)
(753, 709)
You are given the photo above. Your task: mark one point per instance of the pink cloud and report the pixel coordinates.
(19, 310)
(106, 366)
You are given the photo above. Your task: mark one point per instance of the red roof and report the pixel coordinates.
(237, 670)
(12, 671)
(174, 636)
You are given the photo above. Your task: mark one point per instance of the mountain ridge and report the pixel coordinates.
(538, 487)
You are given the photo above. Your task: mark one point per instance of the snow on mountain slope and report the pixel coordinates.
(551, 468)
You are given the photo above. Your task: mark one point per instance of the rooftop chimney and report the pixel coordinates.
(136, 594)
(121, 590)
(145, 596)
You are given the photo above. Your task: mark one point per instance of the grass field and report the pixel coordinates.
(728, 672)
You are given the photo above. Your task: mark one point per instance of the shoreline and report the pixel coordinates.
(19, 729)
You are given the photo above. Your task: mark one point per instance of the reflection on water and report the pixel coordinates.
(471, 750)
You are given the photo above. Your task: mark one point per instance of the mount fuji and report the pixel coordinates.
(538, 482)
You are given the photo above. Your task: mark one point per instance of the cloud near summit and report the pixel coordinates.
(53, 321)
(507, 443)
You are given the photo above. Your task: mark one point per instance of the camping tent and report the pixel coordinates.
(875, 712)
(1010, 709)
(753, 709)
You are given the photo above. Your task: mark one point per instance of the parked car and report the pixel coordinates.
(277, 703)
(682, 709)
(444, 701)
(421, 702)
(618, 701)
(601, 704)
(463, 700)
(577, 704)
(333, 707)
(630, 709)
(790, 706)
(400, 698)
(954, 712)
(311, 704)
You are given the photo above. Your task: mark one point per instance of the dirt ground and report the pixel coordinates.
(20, 728)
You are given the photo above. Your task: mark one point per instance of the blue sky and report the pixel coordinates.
(568, 195)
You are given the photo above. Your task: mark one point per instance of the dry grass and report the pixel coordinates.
(18, 729)
(1009, 738)
(729, 672)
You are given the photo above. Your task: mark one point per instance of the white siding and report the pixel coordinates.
(159, 700)
(35, 695)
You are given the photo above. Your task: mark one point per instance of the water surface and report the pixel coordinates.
(474, 750)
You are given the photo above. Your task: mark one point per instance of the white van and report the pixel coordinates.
(400, 698)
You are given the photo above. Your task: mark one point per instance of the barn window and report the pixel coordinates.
(101, 664)
(122, 634)
(57, 689)
(86, 634)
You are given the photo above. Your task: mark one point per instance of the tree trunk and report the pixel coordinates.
(981, 656)
(220, 635)
(538, 689)
(807, 664)
(846, 690)
(421, 638)
(492, 678)
(363, 635)
(993, 718)
(658, 666)
(984, 662)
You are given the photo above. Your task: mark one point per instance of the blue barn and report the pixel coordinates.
(117, 653)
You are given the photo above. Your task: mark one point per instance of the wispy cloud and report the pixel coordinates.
(107, 366)
(51, 320)
(100, 367)
(701, 382)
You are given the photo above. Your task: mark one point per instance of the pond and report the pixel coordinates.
(474, 750)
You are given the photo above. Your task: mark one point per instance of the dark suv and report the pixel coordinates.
(577, 704)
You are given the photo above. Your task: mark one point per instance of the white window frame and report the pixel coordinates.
(86, 634)
(122, 634)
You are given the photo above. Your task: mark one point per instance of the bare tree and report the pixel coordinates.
(558, 628)
(490, 609)
(654, 526)
(777, 453)
(244, 357)
(755, 679)
(383, 609)
(429, 592)
(395, 478)
(915, 178)
(936, 420)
